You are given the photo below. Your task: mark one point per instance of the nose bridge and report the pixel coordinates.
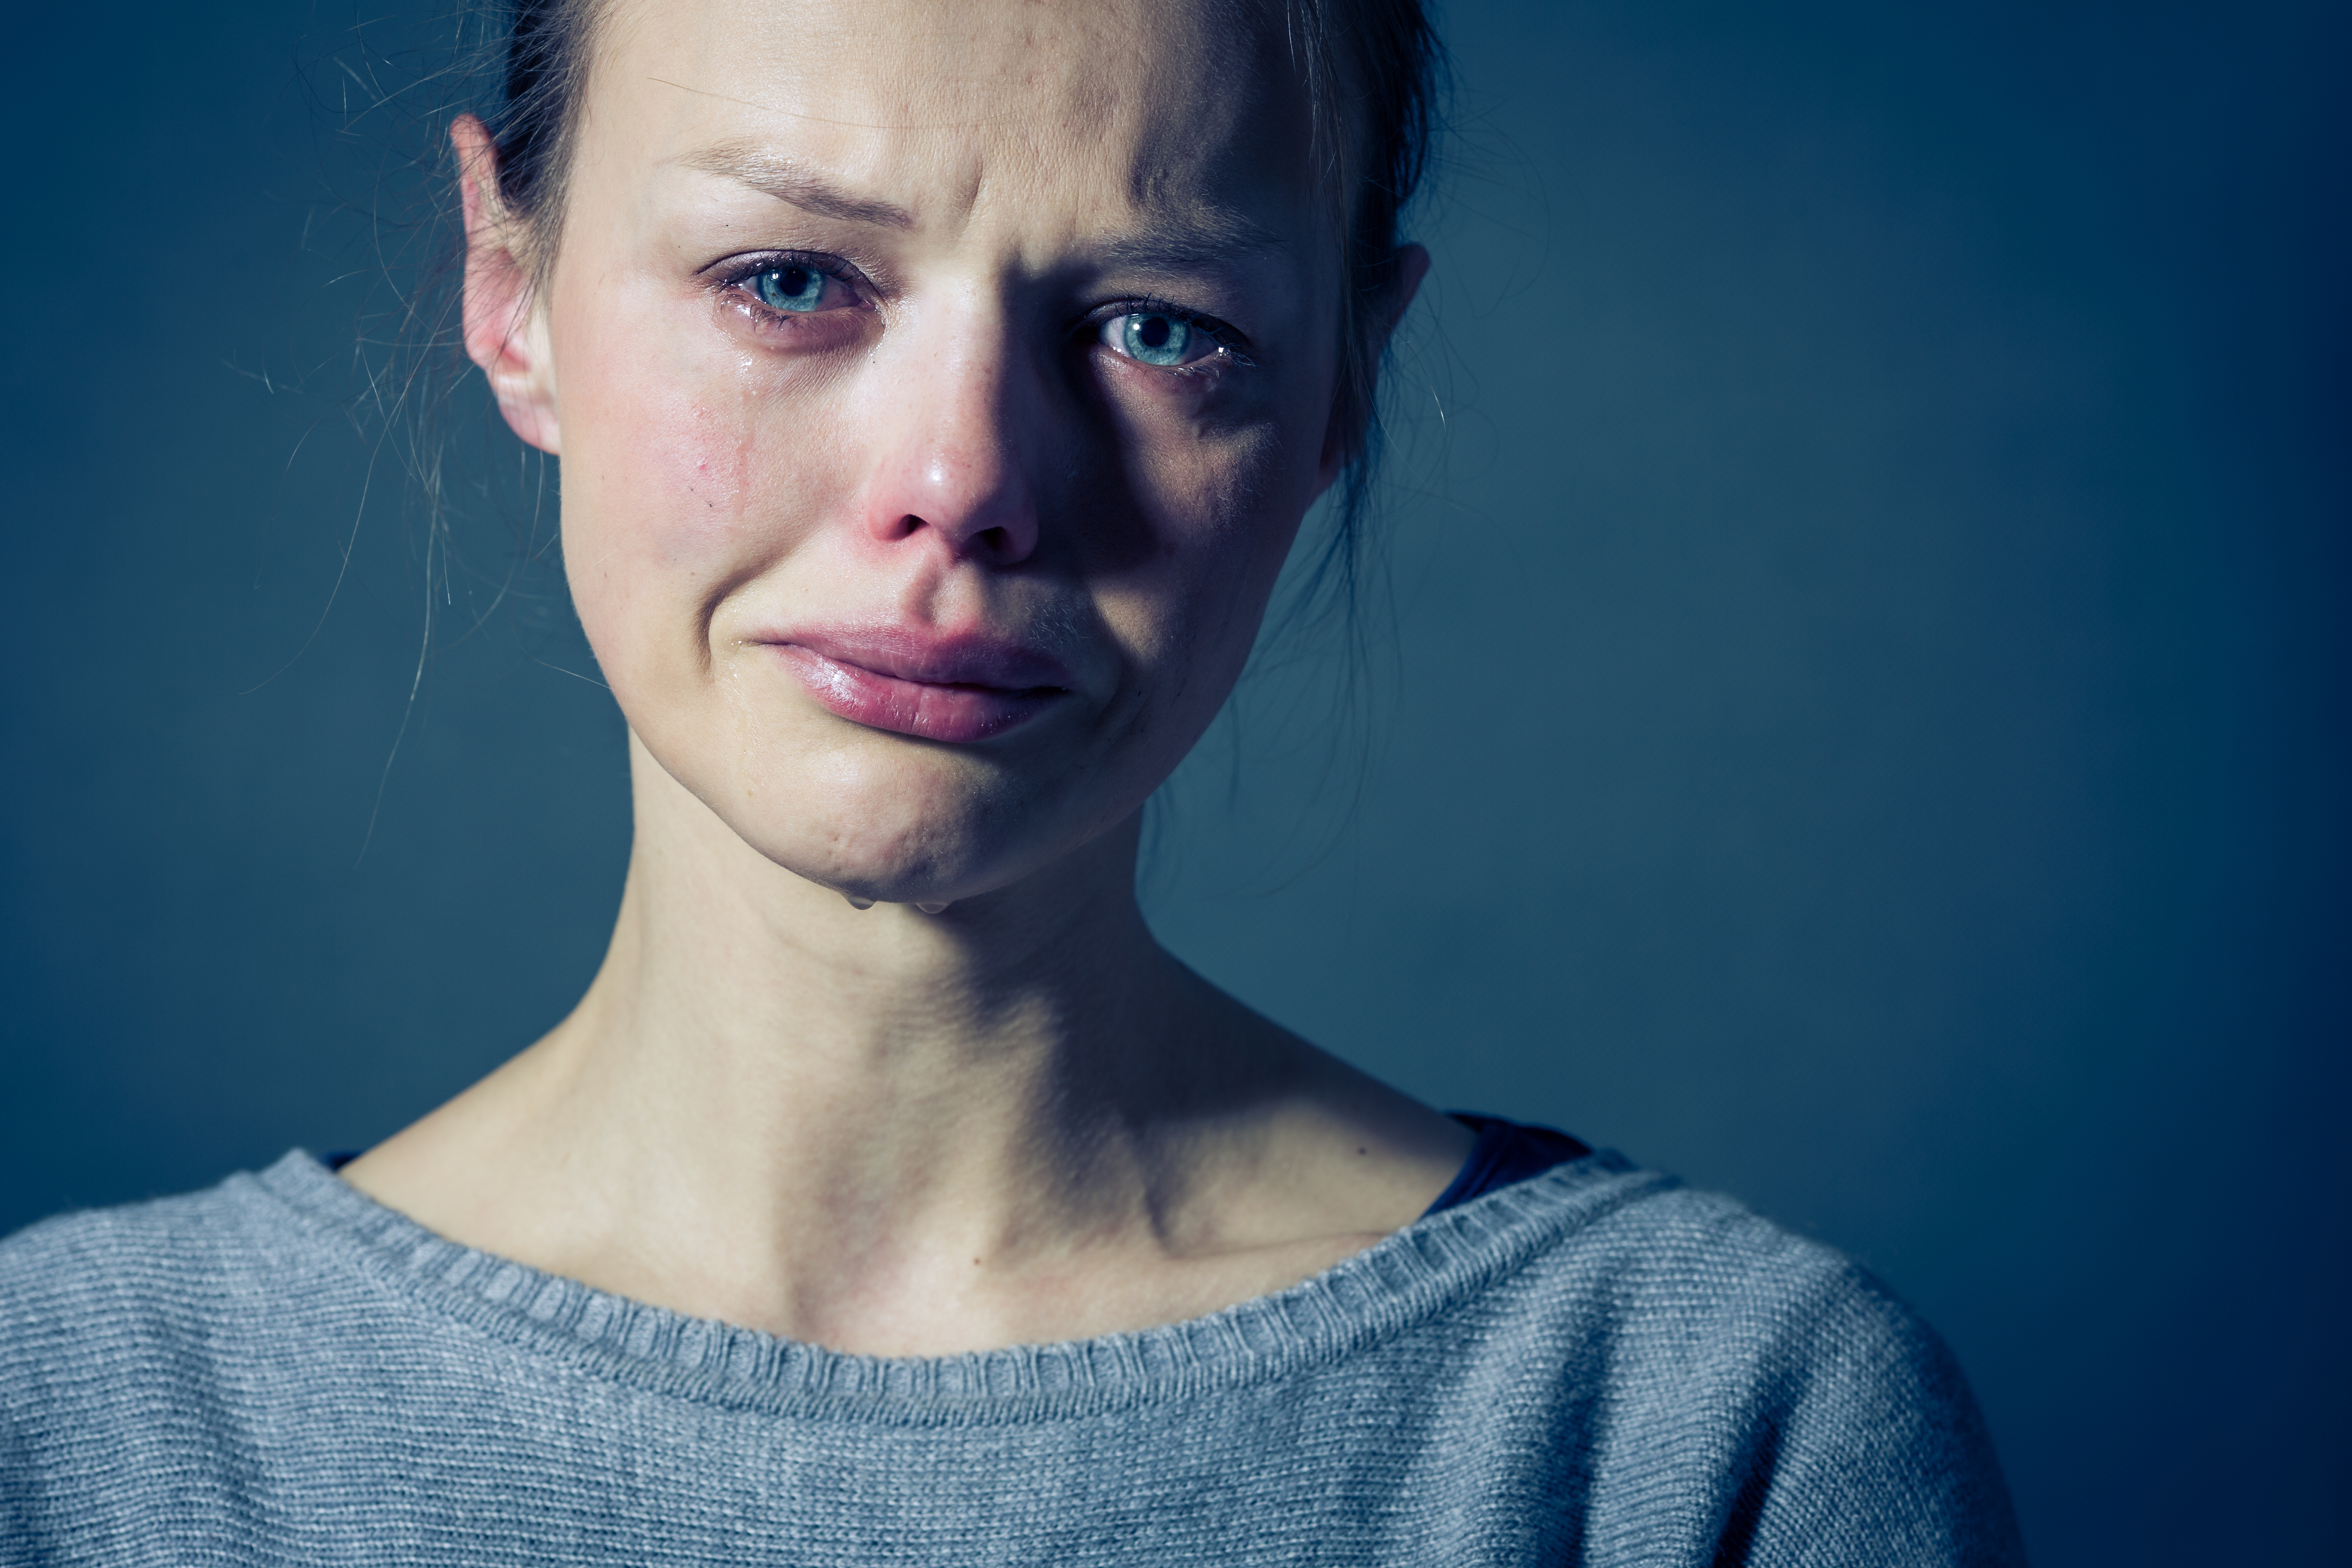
(955, 463)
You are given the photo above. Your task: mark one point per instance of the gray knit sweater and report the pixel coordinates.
(1595, 1366)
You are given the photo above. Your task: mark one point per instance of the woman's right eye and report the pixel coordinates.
(794, 288)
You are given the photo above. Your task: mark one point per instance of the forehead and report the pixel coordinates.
(952, 108)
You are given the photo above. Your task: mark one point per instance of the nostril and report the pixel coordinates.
(964, 531)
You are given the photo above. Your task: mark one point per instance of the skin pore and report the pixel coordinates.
(938, 389)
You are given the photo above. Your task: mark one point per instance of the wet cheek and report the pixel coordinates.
(654, 432)
(656, 476)
(716, 473)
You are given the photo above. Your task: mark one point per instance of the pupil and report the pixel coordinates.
(1154, 332)
(791, 287)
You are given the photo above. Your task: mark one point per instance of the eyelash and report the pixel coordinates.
(733, 281)
(1228, 340)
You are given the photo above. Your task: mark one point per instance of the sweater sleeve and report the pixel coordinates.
(1862, 1444)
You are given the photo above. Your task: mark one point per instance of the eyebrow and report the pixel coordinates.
(1197, 239)
(791, 183)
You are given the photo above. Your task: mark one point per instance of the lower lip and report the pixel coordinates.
(919, 707)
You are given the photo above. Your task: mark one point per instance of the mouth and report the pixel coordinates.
(954, 689)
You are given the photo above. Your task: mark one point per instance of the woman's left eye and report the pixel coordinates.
(793, 288)
(1159, 338)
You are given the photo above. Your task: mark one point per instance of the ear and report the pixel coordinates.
(505, 333)
(1339, 440)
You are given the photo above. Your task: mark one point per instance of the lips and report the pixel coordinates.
(956, 690)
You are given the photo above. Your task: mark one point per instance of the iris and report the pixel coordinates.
(1156, 340)
(791, 288)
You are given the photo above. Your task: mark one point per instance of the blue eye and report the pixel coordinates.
(795, 289)
(1154, 338)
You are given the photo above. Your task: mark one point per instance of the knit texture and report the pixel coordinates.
(1595, 1366)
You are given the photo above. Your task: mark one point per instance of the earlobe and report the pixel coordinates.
(505, 333)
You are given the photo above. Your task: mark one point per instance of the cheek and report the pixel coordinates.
(661, 461)
(670, 493)
(1185, 612)
(1222, 507)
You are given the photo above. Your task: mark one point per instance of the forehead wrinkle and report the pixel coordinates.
(785, 179)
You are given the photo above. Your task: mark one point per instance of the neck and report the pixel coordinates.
(759, 1026)
(886, 1130)
(725, 967)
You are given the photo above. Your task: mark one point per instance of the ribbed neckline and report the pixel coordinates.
(1402, 1281)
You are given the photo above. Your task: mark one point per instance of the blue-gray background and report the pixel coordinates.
(1864, 722)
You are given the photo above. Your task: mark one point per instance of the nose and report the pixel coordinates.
(952, 466)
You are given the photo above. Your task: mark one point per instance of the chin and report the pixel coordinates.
(920, 829)
(874, 814)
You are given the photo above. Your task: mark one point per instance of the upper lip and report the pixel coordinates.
(934, 658)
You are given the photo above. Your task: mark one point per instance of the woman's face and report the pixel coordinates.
(939, 388)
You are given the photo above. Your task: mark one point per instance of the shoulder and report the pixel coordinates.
(1667, 1269)
(1602, 1238)
(1789, 1399)
(103, 1262)
(1702, 1271)
(106, 1305)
